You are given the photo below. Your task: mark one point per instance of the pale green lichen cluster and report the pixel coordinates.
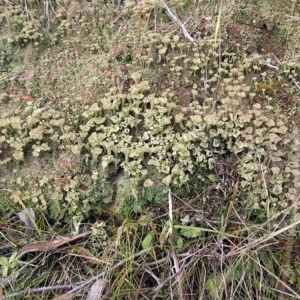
(27, 31)
(63, 144)
(134, 130)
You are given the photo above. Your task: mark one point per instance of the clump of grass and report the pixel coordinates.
(151, 257)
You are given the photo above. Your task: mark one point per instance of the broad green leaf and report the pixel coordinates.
(179, 243)
(12, 257)
(3, 261)
(190, 232)
(211, 286)
(147, 242)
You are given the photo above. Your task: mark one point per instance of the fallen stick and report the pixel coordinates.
(176, 20)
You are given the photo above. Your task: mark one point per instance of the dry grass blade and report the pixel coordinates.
(281, 285)
(261, 241)
(17, 197)
(217, 30)
(103, 274)
(50, 245)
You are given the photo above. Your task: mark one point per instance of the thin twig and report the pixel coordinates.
(38, 290)
(152, 275)
(170, 209)
(160, 286)
(296, 83)
(261, 241)
(93, 279)
(121, 27)
(232, 199)
(15, 275)
(176, 20)
(293, 17)
(173, 249)
(46, 10)
(279, 281)
(26, 9)
(179, 271)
